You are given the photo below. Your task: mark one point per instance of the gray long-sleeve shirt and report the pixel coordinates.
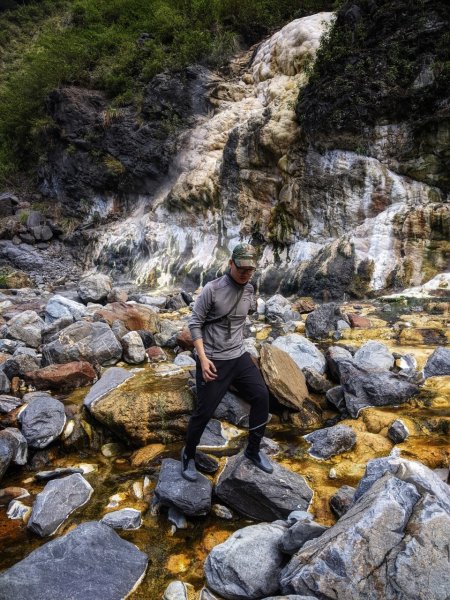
(216, 300)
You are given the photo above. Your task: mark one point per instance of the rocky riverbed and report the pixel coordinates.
(97, 388)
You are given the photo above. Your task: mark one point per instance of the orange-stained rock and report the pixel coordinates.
(4, 357)
(184, 339)
(133, 316)
(156, 354)
(358, 321)
(62, 377)
(144, 455)
(304, 304)
(15, 386)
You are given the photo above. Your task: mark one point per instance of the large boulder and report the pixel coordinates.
(257, 495)
(287, 383)
(438, 363)
(62, 377)
(94, 288)
(92, 562)
(192, 498)
(27, 327)
(110, 380)
(331, 441)
(248, 564)
(302, 351)
(42, 420)
(57, 501)
(59, 307)
(392, 543)
(148, 408)
(322, 322)
(135, 317)
(372, 388)
(374, 356)
(93, 342)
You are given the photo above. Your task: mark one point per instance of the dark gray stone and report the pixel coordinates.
(8, 204)
(233, 409)
(331, 441)
(56, 473)
(438, 363)
(205, 463)
(248, 564)
(42, 233)
(125, 518)
(374, 356)
(111, 379)
(5, 384)
(342, 500)
(333, 355)
(190, 497)
(6, 454)
(321, 322)
(315, 381)
(93, 342)
(42, 420)
(336, 397)
(258, 495)
(212, 436)
(372, 388)
(9, 346)
(299, 533)
(9, 403)
(397, 432)
(19, 364)
(18, 444)
(56, 502)
(50, 331)
(93, 562)
(174, 302)
(177, 518)
(147, 338)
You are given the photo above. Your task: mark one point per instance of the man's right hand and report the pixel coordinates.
(209, 371)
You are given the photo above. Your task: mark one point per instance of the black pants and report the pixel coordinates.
(246, 378)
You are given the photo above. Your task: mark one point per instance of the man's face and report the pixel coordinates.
(241, 275)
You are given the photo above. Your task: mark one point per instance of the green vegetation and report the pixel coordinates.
(116, 46)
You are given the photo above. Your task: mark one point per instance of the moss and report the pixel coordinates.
(281, 225)
(360, 284)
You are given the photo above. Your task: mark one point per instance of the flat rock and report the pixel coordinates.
(190, 497)
(374, 356)
(42, 420)
(258, 495)
(110, 380)
(93, 563)
(372, 388)
(56, 473)
(63, 377)
(125, 518)
(302, 351)
(248, 563)
(56, 502)
(330, 441)
(438, 363)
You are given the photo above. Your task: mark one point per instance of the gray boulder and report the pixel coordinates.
(27, 327)
(438, 363)
(333, 355)
(331, 441)
(59, 307)
(94, 288)
(125, 518)
(42, 420)
(190, 497)
(342, 500)
(92, 562)
(302, 351)
(301, 531)
(56, 502)
(111, 379)
(133, 348)
(93, 342)
(322, 321)
(397, 432)
(9, 403)
(374, 356)
(279, 309)
(8, 204)
(248, 564)
(18, 443)
(372, 388)
(258, 495)
(233, 409)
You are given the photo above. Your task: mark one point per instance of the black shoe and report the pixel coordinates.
(260, 460)
(188, 470)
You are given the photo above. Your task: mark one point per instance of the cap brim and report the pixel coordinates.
(245, 262)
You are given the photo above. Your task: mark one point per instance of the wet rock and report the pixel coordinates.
(184, 360)
(331, 441)
(190, 497)
(302, 351)
(177, 518)
(125, 518)
(56, 502)
(56, 473)
(59, 307)
(94, 288)
(374, 356)
(372, 388)
(178, 590)
(5, 384)
(93, 562)
(26, 327)
(398, 432)
(93, 342)
(438, 363)
(301, 531)
(205, 463)
(342, 500)
(257, 495)
(135, 317)
(6, 454)
(18, 443)
(233, 409)
(63, 377)
(133, 348)
(248, 563)
(279, 309)
(17, 510)
(147, 454)
(287, 383)
(315, 381)
(19, 364)
(322, 321)
(109, 381)
(222, 512)
(42, 420)
(336, 397)
(213, 436)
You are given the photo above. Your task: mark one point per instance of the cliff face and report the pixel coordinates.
(352, 200)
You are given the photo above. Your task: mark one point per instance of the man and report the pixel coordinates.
(216, 326)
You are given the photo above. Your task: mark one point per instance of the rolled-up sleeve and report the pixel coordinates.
(201, 308)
